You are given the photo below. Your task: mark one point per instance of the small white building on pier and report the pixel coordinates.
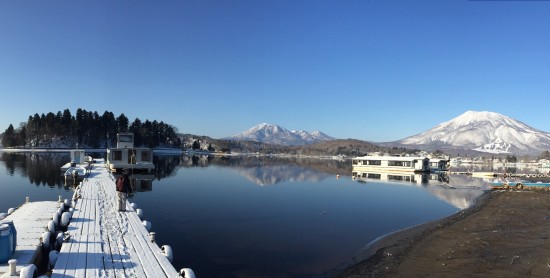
(126, 156)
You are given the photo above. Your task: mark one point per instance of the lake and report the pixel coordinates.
(257, 216)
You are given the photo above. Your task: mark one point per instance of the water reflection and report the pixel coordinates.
(41, 168)
(269, 175)
(461, 191)
(166, 165)
(265, 170)
(142, 182)
(226, 226)
(499, 168)
(458, 190)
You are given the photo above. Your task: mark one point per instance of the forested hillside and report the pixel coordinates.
(347, 147)
(88, 129)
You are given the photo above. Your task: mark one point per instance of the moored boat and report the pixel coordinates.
(390, 164)
(78, 159)
(75, 173)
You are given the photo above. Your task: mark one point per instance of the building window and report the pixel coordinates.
(374, 162)
(399, 163)
(117, 155)
(145, 156)
(129, 138)
(395, 163)
(399, 178)
(374, 176)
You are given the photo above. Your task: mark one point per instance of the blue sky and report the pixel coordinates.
(372, 70)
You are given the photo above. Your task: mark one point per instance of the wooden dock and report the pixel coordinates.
(30, 220)
(105, 242)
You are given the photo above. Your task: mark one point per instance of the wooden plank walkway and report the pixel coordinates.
(30, 221)
(107, 243)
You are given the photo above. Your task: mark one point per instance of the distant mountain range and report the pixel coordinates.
(486, 132)
(274, 134)
(471, 132)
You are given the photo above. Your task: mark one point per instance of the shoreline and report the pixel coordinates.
(482, 239)
(396, 243)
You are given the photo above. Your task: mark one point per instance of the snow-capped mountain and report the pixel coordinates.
(274, 134)
(484, 132)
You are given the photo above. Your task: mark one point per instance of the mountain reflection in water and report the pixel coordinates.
(43, 169)
(261, 170)
(269, 175)
(307, 223)
(458, 190)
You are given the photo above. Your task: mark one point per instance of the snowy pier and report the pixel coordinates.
(30, 220)
(102, 242)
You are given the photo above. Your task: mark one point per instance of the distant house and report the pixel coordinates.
(544, 163)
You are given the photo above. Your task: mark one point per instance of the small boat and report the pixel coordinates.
(75, 173)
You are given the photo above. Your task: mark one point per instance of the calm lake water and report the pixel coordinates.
(258, 216)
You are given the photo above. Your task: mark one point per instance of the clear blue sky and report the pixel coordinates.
(372, 70)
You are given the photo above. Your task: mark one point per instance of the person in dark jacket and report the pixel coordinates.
(123, 188)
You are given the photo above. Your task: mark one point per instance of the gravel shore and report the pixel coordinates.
(505, 234)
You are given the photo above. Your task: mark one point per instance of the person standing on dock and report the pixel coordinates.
(123, 188)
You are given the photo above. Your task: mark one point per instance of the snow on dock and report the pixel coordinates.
(105, 242)
(30, 221)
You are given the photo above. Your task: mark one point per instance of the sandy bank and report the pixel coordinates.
(506, 234)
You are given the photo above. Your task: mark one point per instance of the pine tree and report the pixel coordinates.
(8, 140)
(196, 145)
